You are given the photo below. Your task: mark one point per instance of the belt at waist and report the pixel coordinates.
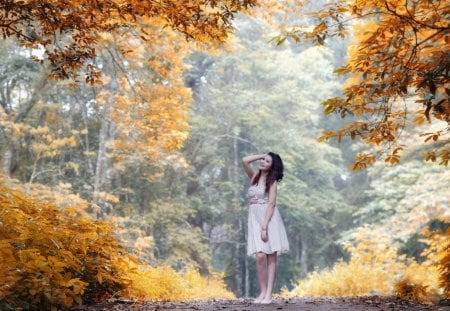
(258, 201)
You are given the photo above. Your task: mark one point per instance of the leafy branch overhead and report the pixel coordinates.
(397, 70)
(68, 30)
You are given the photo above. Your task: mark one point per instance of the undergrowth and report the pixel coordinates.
(53, 258)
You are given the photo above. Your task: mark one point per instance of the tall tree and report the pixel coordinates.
(398, 73)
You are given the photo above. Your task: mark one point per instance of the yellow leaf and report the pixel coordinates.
(99, 278)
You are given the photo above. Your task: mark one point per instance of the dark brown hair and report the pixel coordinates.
(275, 172)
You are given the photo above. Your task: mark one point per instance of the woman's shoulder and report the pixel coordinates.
(274, 184)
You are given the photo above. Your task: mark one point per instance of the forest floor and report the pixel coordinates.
(372, 303)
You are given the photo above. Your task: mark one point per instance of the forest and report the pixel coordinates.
(123, 125)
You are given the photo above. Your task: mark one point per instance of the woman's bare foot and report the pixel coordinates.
(259, 298)
(266, 301)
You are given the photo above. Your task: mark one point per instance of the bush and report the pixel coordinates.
(52, 259)
(375, 268)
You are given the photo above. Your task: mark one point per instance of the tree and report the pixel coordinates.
(67, 31)
(403, 200)
(129, 118)
(109, 144)
(34, 143)
(398, 72)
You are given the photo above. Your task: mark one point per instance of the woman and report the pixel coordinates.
(266, 236)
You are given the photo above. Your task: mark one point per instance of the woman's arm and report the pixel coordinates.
(249, 159)
(269, 211)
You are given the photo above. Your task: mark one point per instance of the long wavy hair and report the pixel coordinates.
(275, 172)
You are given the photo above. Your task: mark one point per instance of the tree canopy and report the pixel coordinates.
(397, 73)
(68, 30)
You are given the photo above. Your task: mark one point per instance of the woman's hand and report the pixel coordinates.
(249, 159)
(264, 235)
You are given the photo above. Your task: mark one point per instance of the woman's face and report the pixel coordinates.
(266, 163)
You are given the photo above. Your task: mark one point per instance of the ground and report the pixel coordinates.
(374, 303)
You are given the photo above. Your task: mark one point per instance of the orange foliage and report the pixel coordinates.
(374, 268)
(52, 259)
(407, 290)
(400, 50)
(67, 30)
(164, 283)
(146, 97)
(141, 92)
(44, 142)
(439, 253)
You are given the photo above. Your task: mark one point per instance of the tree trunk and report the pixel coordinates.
(303, 257)
(100, 170)
(8, 161)
(87, 145)
(239, 280)
(38, 90)
(238, 269)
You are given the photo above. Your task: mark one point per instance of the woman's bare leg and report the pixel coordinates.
(271, 274)
(261, 267)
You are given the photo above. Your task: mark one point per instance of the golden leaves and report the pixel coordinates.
(52, 260)
(420, 118)
(44, 142)
(333, 104)
(394, 157)
(432, 156)
(374, 266)
(399, 51)
(438, 253)
(151, 112)
(68, 30)
(35, 263)
(167, 284)
(362, 160)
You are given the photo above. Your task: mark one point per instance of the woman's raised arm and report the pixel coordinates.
(249, 159)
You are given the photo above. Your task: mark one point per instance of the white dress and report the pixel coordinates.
(277, 241)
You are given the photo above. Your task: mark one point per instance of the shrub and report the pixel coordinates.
(52, 258)
(374, 268)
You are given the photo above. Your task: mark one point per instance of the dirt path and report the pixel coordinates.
(374, 303)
